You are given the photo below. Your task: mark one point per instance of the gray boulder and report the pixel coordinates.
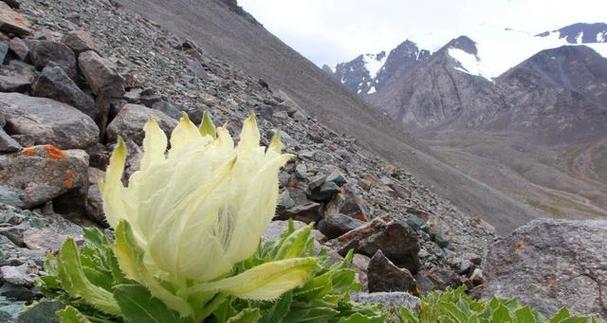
(48, 121)
(129, 123)
(39, 174)
(384, 276)
(16, 77)
(550, 264)
(54, 83)
(101, 74)
(79, 41)
(43, 52)
(394, 238)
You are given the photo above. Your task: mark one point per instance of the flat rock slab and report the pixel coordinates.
(550, 264)
(12, 22)
(41, 173)
(48, 121)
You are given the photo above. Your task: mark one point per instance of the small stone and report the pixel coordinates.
(7, 143)
(384, 276)
(3, 51)
(16, 292)
(19, 47)
(477, 277)
(325, 192)
(337, 177)
(301, 170)
(23, 275)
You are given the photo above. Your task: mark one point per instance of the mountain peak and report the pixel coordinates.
(464, 43)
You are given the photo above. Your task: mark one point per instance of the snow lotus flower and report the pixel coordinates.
(189, 214)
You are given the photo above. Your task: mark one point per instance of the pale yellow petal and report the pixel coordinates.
(185, 132)
(111, 188)
(154, 144)
(249, 135)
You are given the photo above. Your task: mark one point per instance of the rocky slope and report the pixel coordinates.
(253, 49)
(77, 77)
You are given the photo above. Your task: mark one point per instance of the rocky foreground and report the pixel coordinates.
(77, 74)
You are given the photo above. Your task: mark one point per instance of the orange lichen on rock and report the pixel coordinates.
(360, 216)
(20, 21)
(69, 179)
(53, 152)
(29, 151)
(520, 246)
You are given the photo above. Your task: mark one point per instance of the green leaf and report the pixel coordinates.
(75, 282)
(295, 244)
(525, 315)
(279, 310)
(501, 314)
(71, 315)
(576, 319)
(562, 314)
(316, 314)
(360, 318)
(407, 316)
(138, 306)
(249, 315)
(453, 311)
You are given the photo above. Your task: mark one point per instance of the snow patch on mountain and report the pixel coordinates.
(468, 63)
(374, 63)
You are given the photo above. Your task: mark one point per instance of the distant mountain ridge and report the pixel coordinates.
(580, 33)
(368, 73)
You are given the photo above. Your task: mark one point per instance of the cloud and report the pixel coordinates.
(332, 31)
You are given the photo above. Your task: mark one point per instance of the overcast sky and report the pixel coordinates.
(332, 31)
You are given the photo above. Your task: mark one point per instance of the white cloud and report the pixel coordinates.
(332, 31)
